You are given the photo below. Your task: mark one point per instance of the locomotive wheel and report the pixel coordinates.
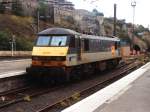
(68, 74)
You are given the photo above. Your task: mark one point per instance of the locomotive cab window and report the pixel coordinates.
(43, 40)
(51, 41)
(58, 40)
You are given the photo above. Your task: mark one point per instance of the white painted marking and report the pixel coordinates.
(10, 74)
(15, 61)
(146, 66)
(93, 102)
(119, 94)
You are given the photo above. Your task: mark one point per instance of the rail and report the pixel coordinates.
(70, 99)
(63, 102)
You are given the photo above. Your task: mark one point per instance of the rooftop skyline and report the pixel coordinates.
(124, 9)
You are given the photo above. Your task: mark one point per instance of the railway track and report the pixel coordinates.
(63, 103)
(23, 94)
(66, 100)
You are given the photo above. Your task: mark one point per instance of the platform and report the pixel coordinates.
(129, 94)
(9, 68)
(134, 98)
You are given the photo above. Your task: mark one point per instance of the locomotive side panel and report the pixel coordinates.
(94, 50)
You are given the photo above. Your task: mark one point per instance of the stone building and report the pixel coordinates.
(61, 3)
(7, 4)
(29, 6)
(60, 10)
(83, 20)
(61, 13)
(89, 22)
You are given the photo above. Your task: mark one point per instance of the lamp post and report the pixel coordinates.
(115, 19)
(133, 4)
(13, 45)
(38, 20)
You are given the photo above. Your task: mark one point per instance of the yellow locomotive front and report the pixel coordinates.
(50, 51)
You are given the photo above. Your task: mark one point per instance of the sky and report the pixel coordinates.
(124, 9)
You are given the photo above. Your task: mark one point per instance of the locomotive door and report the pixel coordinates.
(78, 43)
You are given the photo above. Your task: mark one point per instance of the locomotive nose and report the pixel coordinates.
(49, 56)
(49, 51)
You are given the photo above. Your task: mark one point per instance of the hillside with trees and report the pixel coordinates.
(19, 23)
(19, 28)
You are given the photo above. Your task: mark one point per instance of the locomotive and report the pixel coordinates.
(60, 51)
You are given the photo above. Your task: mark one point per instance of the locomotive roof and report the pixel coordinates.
(64, 31)
(100, 37)
(58, 31)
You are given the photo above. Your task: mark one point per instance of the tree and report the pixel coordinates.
(97, 13)
(141, 28)
(4, 41)
(22, 44)
(17, 8)
(2, 8)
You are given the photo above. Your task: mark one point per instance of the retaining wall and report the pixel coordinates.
(15, 53)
